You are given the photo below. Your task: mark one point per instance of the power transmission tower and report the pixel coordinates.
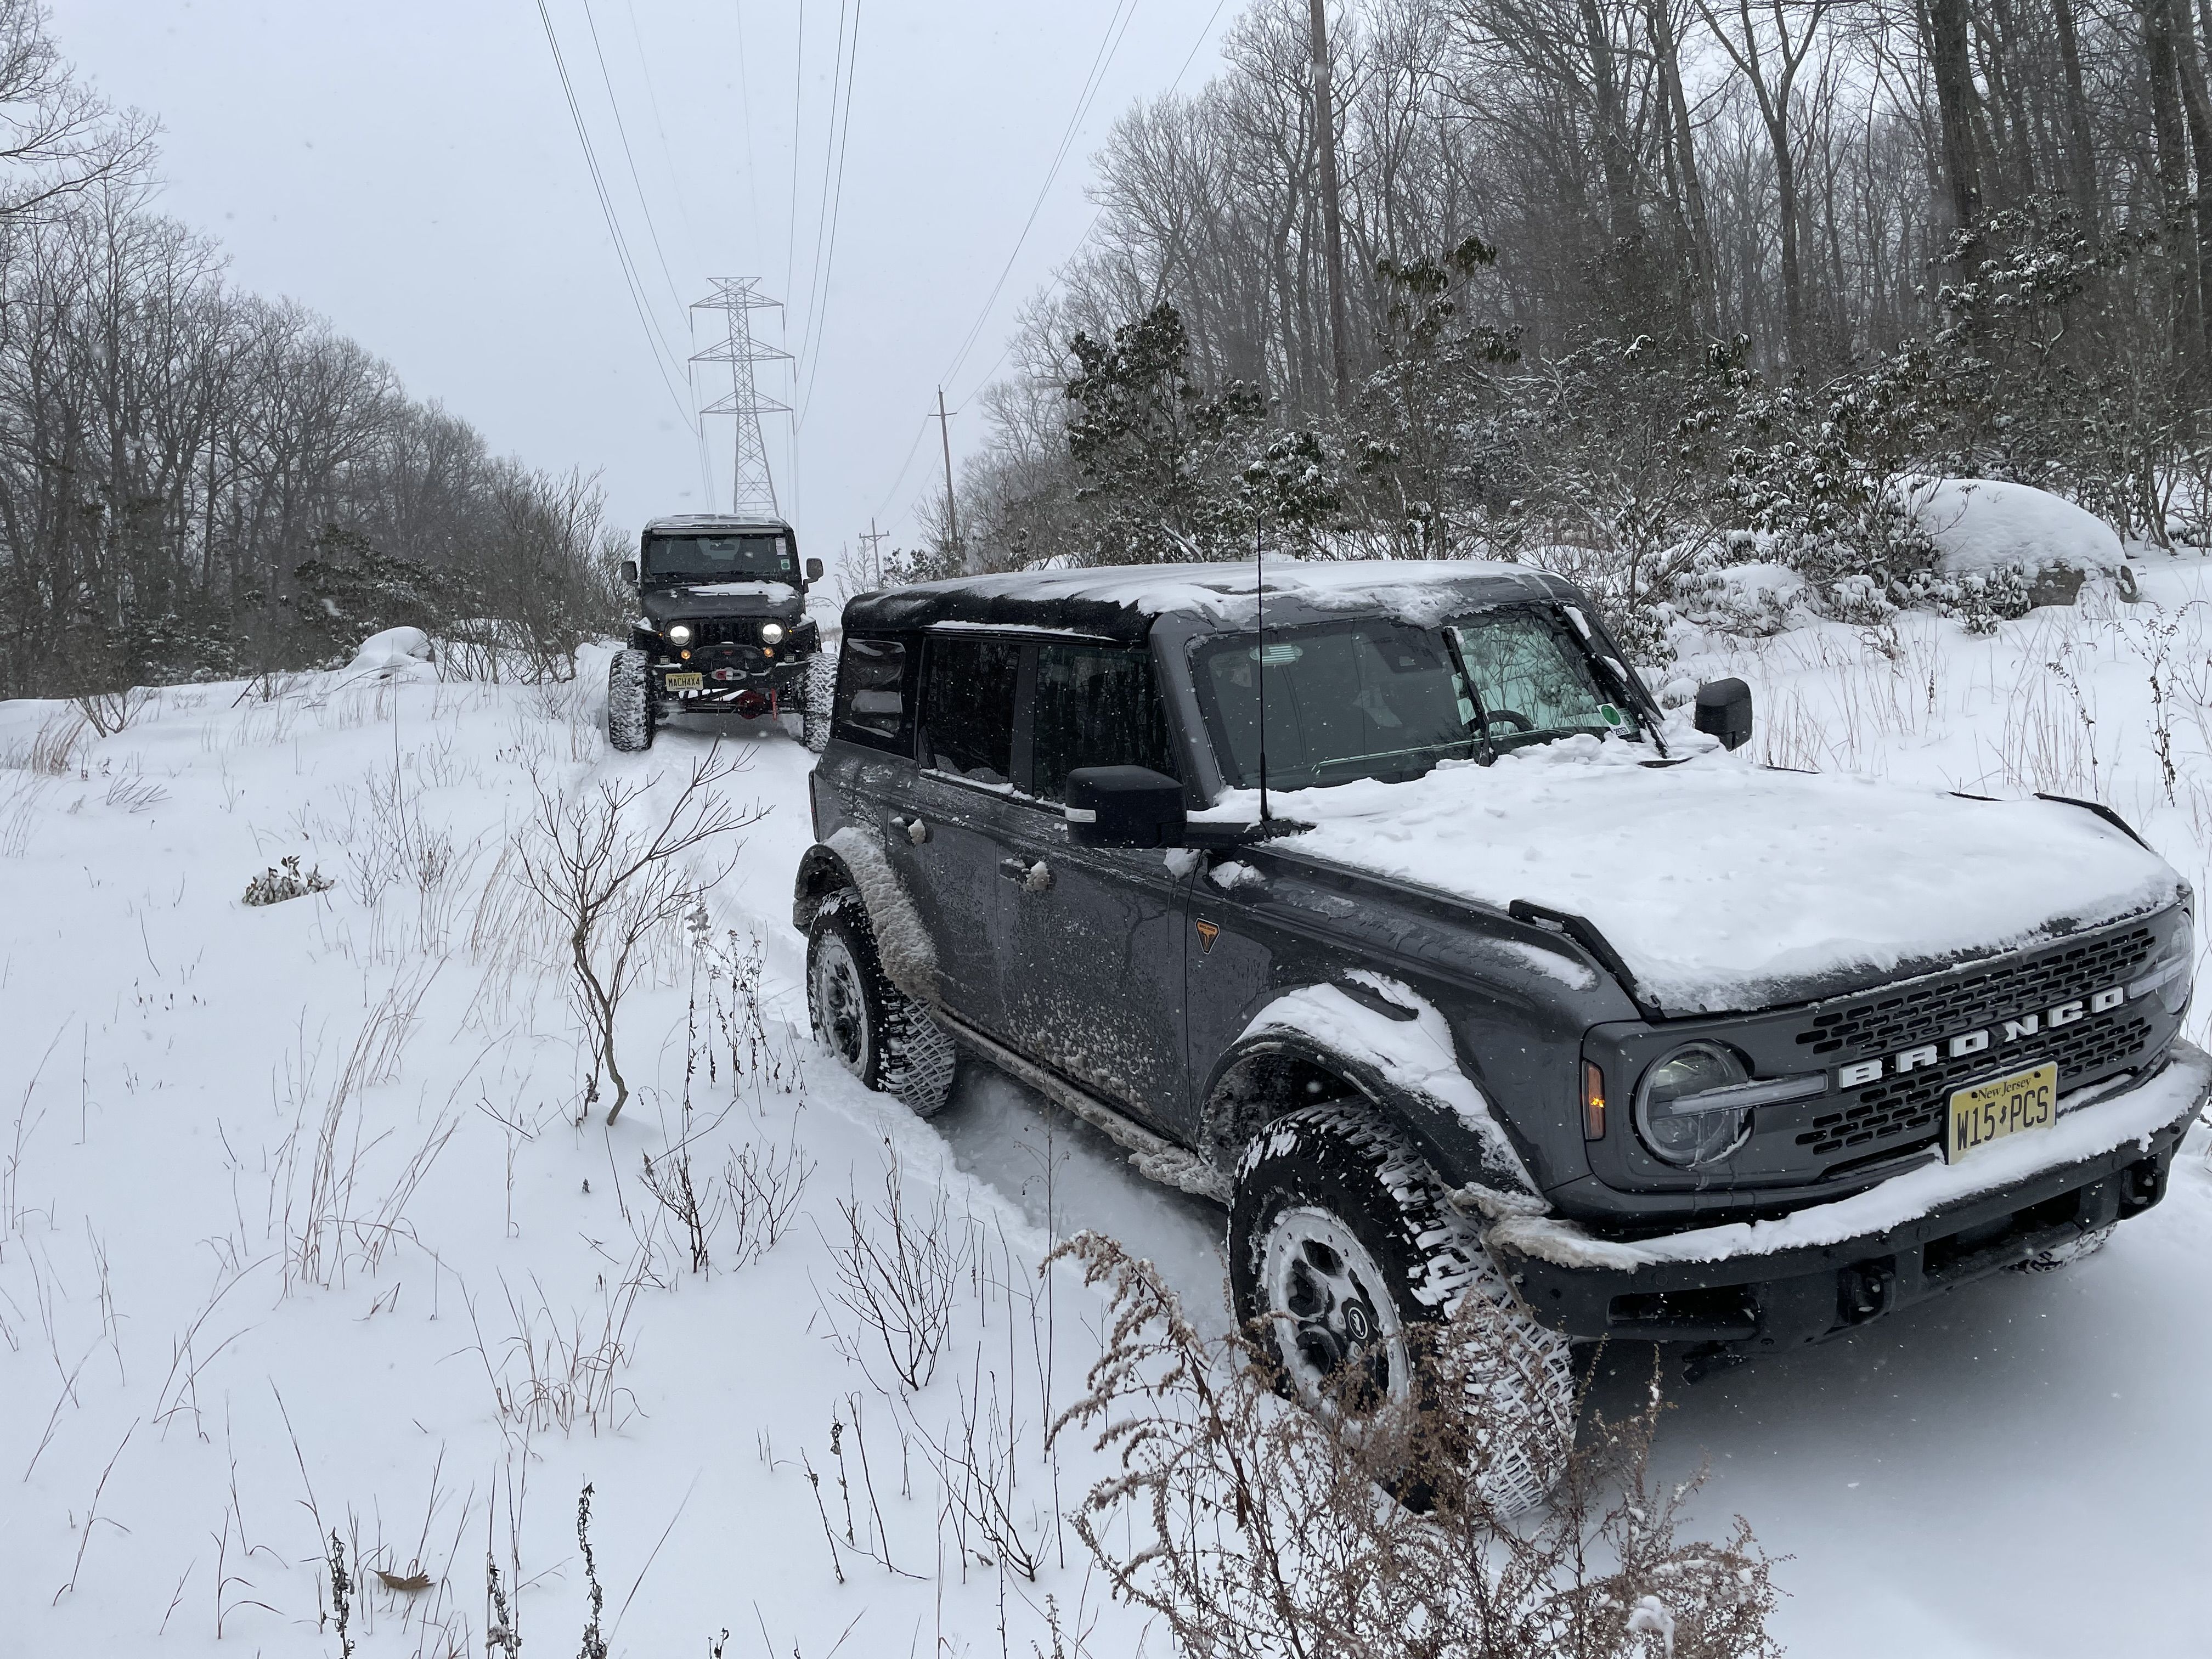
(752, 488)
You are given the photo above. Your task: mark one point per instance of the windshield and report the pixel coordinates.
(766, 557)
(1376, 698)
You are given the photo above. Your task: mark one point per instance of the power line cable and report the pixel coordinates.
(1125, 12)
(836, 205)
(821, 210)
(798, 109)
(614, 104)
(1059, 272)
(667, 150)
(655, 341)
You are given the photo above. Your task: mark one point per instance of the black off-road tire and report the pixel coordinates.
(1333, 1170)
(630, 703)
(872, 1028)
(820, 691)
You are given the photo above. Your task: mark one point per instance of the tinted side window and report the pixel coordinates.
(872, 705)
(968, 707)
(1094, 705)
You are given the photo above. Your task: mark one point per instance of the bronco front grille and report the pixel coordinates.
(1908, 1018)
(1901, 1114)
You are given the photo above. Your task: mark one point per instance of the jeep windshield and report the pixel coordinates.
(1372, 698)
(768, 556)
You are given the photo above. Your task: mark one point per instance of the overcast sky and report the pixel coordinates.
(411, 169)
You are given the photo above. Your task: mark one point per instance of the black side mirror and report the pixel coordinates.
(629, 570)
(814, 570)
(1123, 806)
(1724, 712)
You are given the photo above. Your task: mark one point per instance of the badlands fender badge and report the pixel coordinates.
(1207, 932)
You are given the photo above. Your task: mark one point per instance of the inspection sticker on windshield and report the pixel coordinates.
(2003, 1106)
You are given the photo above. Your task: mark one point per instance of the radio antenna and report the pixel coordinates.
(1260, 656)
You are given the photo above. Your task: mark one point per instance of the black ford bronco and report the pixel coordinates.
(722, 628)
(1385, 904)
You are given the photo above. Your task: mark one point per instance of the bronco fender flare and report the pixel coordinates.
(1390, 1046)
(850, 860)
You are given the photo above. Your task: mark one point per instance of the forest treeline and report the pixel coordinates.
(1631, 286)
(198, 483)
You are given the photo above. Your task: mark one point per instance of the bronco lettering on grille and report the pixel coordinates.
(1859, 1074)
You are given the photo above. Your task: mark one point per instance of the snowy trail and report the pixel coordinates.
(2017, 1470)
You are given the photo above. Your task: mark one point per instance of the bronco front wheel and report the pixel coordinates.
(1347, 1265)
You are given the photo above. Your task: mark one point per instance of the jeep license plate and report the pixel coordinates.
(686, 682)
(2003, 1106)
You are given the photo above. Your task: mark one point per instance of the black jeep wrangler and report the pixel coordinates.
(1402, 919)
(722, 628)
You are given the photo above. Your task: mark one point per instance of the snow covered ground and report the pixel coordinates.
(298, 1232)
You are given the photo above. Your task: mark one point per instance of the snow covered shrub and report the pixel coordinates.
(1256, 1531)
(1980, 598)
(271, 887)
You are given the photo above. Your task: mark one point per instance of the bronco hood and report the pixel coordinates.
(690, 601)
(1727, 887)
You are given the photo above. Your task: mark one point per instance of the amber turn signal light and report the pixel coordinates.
(1593, 1102)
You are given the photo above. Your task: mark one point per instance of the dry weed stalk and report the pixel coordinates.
(764, 1184)
(613, 888)
(1256, 1531)
(900, 1274)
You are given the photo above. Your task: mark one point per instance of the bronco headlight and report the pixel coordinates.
(771, 633)
(679, 633)
(2173, 972)
(1683, 1110)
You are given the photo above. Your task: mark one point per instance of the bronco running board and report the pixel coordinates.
(1154, 1156)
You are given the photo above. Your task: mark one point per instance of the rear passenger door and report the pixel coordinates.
(947, 837)
(1092, 976)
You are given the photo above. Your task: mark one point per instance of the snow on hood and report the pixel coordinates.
(1727, 887)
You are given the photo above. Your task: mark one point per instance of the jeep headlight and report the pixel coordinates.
(2173, 972)
(771, 633)
(679, 633)
(1687, 1110)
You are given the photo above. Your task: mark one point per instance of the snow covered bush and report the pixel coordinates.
(273, 887)
(1254, 1529)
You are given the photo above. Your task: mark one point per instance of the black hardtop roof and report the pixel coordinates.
(1121, 603)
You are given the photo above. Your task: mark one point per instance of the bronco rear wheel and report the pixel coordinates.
(820, 688)
(873, 1030)
(1346, 1264)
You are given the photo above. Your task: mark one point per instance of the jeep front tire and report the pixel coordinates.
(1346, 1264)
(872, 1028)
(820, 689)
(630, 703)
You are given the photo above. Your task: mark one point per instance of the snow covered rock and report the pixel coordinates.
(1979, 525)
(394, 650)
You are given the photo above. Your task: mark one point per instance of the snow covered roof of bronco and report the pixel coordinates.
(1122, 602)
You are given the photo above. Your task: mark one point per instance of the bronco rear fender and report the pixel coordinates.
(850, 860)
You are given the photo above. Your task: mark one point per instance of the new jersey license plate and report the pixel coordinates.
(686, 682)
(2003, 1106)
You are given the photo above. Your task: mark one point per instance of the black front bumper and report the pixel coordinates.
(725, 672)
(1756, 1303)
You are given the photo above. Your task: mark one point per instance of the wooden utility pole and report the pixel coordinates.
(1331, 208)
(951, 509)
(874, 539)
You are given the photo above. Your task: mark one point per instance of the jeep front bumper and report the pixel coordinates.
(1813, 1273)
